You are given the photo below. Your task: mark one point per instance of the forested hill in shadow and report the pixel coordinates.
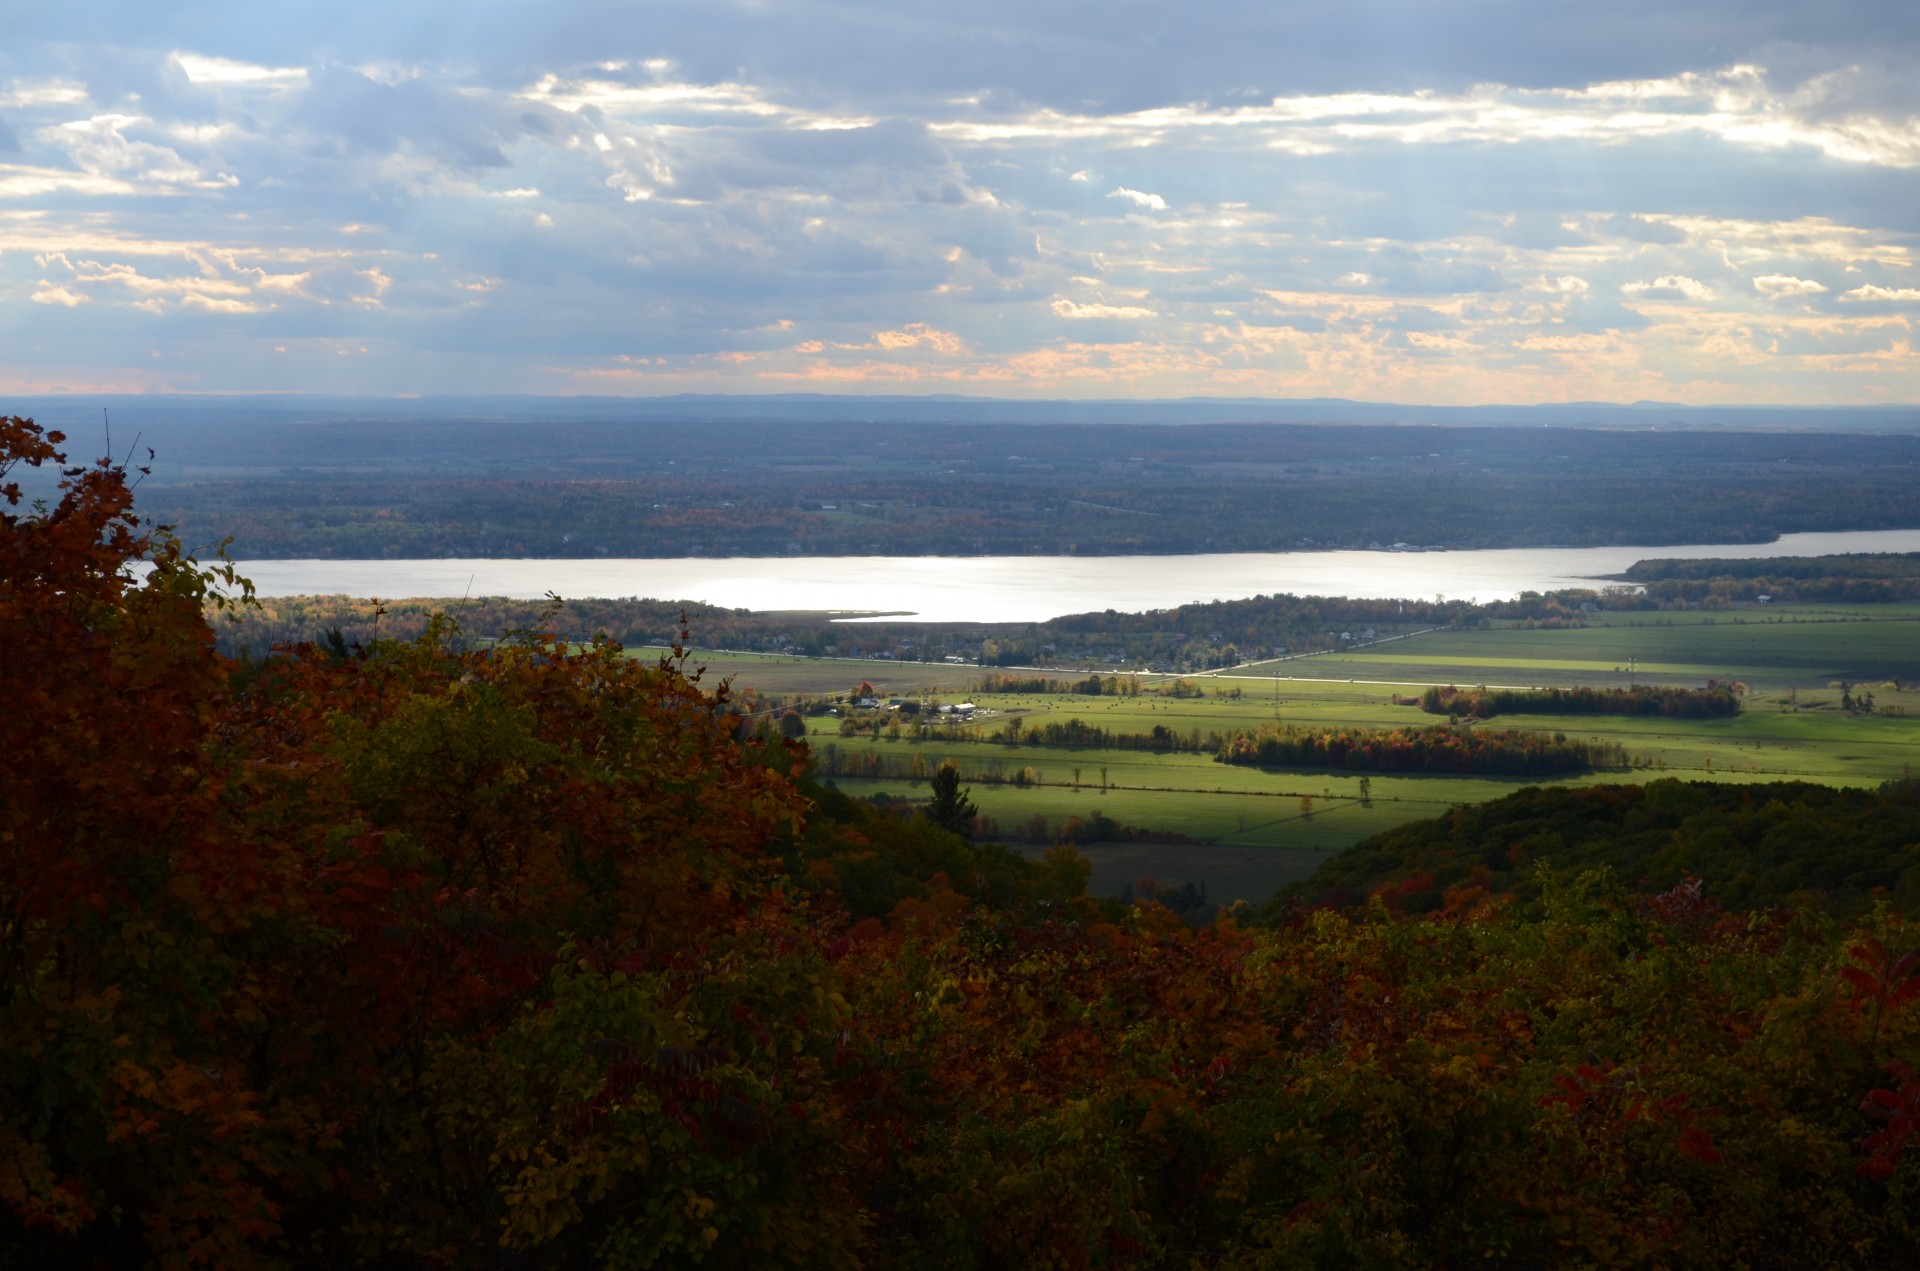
(1744, 847)
(890, 482)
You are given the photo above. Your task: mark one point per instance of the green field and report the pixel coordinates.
(1256, 836)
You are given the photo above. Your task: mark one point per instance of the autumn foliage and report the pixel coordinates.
(399, 955)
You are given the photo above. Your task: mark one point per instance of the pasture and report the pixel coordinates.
(1253, 828)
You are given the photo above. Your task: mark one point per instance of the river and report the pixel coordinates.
(1022, 588)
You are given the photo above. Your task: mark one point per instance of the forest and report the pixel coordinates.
(1199, 636)
(414, 954)
(1714, 701)
(1858, 578)
(884, 485)
(1435, 749)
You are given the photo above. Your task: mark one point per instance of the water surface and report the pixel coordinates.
(1024, 588)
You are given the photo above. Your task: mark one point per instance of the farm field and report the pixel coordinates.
(1253, 831)
(1804, 646)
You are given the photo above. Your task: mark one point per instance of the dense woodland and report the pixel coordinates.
(412, 956)
(882, 486)
(1509, 752)
(1713, 701)
(1861, 578)
(1772, 847)
(1198, 636)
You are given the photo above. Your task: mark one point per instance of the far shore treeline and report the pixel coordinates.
(1859, 578)
(401, 953)
(347, 490)
(1200, 636)
(1196, 636)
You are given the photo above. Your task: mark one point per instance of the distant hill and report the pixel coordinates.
(84, 409)
(1752, 846)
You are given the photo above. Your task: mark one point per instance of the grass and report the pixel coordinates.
(1792, 727)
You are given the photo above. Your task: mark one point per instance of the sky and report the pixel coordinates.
(1423, 201)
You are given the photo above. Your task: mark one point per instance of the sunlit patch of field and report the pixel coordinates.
(1258, 832)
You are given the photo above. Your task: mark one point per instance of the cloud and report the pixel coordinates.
(1873, 291)
(1735, 106)
(1519, 202)
(1068, 309)
(223, 73)
(918, 335)
(49, 294)
(1670, 284)
(99, 145)
(40, 93)
(1777, 285)
(1139, 198)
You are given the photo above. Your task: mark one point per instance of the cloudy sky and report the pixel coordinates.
(1436, 201)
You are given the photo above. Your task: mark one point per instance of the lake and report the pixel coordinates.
(1022, 588)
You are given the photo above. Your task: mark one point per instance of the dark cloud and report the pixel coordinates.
(1074, 54)
(346, 110)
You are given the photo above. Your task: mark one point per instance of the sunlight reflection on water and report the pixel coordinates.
(1022, 588)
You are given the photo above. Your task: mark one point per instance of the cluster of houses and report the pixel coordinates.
(963, 710)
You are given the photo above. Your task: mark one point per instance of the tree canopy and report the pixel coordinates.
(406, 955)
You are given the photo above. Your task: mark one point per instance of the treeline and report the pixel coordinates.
(1898, 565)
(1716, 699)
(1434, 749)
(833, 760)
(1193, 637)
(1095, 827)
(289, 620)
(1091, 686)
(1862, 578)
(1078, 733)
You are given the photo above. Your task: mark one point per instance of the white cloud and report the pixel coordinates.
(224, 73)
(217, 304)
(1803, 238)
(21, 182)
(1355, 279)
(660, 100)
(1734, 105)
(124, 275)
(1140, 197)
(26, 94)
(100, 145)
(49, 294)
(1873, 291)
(1786, 285)
(1081, 175)
(1671, 284)
(1068, 309)
(1565, 284)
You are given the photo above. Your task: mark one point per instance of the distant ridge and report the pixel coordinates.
(952, 408)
